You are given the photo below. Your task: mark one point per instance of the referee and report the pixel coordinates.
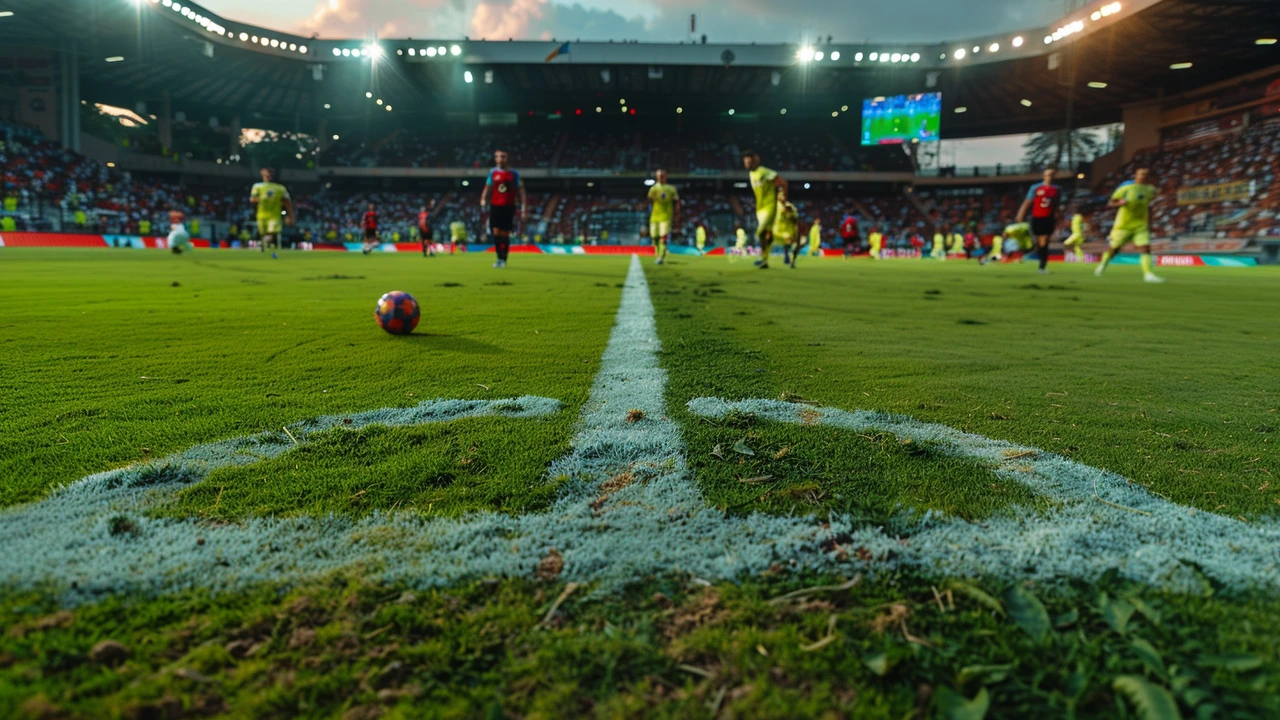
(1045, 201)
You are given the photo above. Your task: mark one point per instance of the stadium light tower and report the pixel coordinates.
(805, 54)
(374, 51)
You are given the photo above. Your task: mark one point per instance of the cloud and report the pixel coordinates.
(526, 19)
(358, 18)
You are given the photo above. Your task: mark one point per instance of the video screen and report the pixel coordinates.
(901, 118)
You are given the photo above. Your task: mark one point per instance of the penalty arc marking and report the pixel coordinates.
(656, 522)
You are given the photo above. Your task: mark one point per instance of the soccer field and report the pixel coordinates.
(586, 487)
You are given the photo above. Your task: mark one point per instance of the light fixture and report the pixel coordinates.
(1079, 176)
(835, 113)
(818, 56)
(326, 106)
(993, 47)
(115, 58)
(783, 111)
(731, 111)
(466, 183)
(368, 94)
(275, 43)
(835, 55)
(388, 108)
(679, 110)
(1265, 41)
(335, 137)
(962, 109)
(293, 47)
(346, 52)
(624, 108)
(111, 164)
(1017, 42)
(1025, 102)
(874, 57)
(884, 57)
(431, 52)
(857, 57)
(599, 109)
(379, 101)
(373, 51)
(355, 52)
(467, 76)
(413, 52)
(1048, 39)
(337, 52)
(245, 36)
(960, 53)
(1097, 85)
(976, 49)
(805, 54)
(806, 186)
(455, 50)
(915, 57)
(622, 101)
(1180, 66)
(441, 50)
(844, 108)
(896, 57)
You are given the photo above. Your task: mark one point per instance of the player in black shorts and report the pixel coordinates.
(1044, 200)
(502, 190)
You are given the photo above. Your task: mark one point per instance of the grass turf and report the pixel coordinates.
(108, 358)
(1173, 386)
(1170, 385)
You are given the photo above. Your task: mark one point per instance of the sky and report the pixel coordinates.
(764, 21)
(648, 20)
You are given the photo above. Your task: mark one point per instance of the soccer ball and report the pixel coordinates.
(397, 313)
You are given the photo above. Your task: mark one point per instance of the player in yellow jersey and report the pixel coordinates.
(997, 251)
(700, 237)
(1076, 240)
(765, 184)
(786, 230)
(939, 251)
(275, 208)
(875, 240)
(815, 238)
(664, 202)
(1133, 224)
(739, 244)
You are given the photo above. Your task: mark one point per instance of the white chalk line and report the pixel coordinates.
(649, 519)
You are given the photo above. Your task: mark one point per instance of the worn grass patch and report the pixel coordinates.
(446, 469)
(780, 647)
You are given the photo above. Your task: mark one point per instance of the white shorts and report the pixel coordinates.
(178, 236)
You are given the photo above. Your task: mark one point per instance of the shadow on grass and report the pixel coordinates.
(454, 343)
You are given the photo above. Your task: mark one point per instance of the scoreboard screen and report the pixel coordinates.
(901, 119)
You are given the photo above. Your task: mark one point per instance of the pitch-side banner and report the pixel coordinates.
(1242, 190)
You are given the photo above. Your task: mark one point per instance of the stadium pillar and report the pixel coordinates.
(69, 97)
(165, 121)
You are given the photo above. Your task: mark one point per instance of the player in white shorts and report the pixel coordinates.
(179, 238)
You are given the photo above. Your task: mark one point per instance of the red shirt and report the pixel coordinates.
(502, 184)
(422, 220)
(1045, 200)
(371, 220)
(848, 227)
(176, 217)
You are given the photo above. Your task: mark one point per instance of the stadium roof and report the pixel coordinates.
(1095, 60)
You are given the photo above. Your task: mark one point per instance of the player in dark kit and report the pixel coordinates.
(370, 225)
(849, 235)
(1045, 201)
(424, 231)
(501, 191)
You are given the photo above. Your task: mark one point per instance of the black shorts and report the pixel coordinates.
(370, 234)
(502, 217)
(425, 233)
(1043, 226)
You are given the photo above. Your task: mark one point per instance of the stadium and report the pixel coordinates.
(701, 382)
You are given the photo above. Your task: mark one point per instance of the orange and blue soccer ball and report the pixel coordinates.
(397, 313)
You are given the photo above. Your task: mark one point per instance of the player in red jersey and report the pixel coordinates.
(502, 189)
(179, 238)
(1044, 200)
(849, 235)
(370, 225)
(424, 231)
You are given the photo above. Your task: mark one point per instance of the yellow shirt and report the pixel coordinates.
(270, 197)
(786, 221)
(664, 199)
(457, 231)
(766, 192)
(1077, 224)
(1135, 212)
(815, 234)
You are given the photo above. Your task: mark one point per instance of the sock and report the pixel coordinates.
(1146, 263)
(501, 246)
(662, 249)
(1079, 254)
(1106, 257)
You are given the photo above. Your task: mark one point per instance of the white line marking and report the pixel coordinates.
(650, 519)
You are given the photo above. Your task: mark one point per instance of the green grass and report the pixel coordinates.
(105, 362)
(1174, 386)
